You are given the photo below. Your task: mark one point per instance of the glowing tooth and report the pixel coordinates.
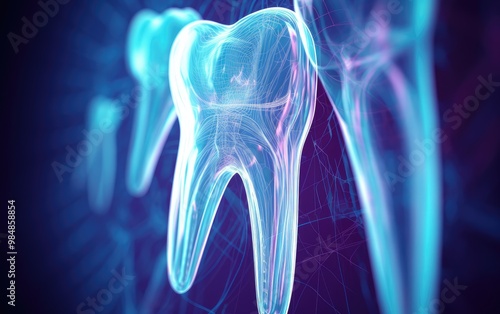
(374, 59)
(103, 121)
(245, 97)
(150, 39)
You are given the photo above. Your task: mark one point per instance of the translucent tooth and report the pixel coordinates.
(149, 42)
(245, 97)
(102, 122)
(374, 59)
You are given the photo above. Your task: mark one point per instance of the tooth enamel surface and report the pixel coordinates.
(245, 97)
(149, 42)
(103, 121)
(374, 60)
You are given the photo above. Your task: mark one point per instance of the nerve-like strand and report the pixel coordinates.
(245, 97)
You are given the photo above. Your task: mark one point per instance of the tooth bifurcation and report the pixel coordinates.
(245, 98)
(150, 39)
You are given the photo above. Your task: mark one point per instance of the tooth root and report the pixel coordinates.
(389, 72)
(248, 116)
(103, 120)
(199, 184)
(272, 189)
(149, 43)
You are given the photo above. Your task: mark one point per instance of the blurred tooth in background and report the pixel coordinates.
(374, 59)
(103, 121)
(150, 39)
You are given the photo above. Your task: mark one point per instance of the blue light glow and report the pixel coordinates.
(374, 60)
(149, 42)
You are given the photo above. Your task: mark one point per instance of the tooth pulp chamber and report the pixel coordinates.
(245, 97)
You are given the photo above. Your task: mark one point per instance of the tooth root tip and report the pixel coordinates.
(180, 285)
(180, 288)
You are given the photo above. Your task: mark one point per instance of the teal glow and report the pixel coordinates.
(149, 42)
(102, 122)
(374, 60)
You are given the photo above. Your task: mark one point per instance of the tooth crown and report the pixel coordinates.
(245, 97)
(249, 69)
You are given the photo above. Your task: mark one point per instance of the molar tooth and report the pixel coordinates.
(149, 42)
(380, 83)
(245, 97)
